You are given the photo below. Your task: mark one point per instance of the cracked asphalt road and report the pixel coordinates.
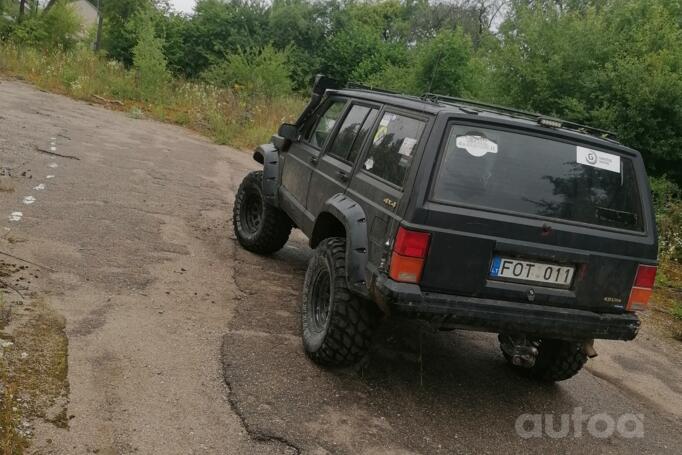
(181, 342)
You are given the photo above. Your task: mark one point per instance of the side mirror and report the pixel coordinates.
(288, 132)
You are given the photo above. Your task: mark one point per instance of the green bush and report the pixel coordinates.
(149, 63)
(443, 64)
(677, 311)
(265, 72)
(668, 204)
(397, 78)
(59, 27)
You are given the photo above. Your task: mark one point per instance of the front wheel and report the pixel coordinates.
(259, 226)
(337, 326)
(557, 360)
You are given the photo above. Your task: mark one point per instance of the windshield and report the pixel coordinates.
(537, 176)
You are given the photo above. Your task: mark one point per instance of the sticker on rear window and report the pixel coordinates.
(382, 131)
(598, 159)
(477, 146)
(407, 146)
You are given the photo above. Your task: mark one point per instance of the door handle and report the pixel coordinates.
(342, 176)
(314, 160)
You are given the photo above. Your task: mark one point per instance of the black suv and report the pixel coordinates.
(464, 214)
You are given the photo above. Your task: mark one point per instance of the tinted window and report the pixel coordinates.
(392, 148)
(326, 124)
(347, 133)
(538, 176)
(364, 131)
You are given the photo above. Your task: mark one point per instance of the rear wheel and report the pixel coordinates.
(259, 226)
(557, 360)
(336, 325)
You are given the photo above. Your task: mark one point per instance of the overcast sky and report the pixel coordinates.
(185, 6)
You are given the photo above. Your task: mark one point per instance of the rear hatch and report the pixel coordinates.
(523, 216)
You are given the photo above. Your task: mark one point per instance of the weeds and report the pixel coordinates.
(11, 441)
(677, 311)
(229, 116)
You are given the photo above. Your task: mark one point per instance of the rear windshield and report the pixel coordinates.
(537, 176)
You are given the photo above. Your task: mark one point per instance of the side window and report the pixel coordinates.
(360, 139)
(348, 132)
(390, 153)
(326, 123)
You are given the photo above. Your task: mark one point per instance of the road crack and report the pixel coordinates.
(255, 435)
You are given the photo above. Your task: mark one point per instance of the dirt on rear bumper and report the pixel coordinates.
(452, 311)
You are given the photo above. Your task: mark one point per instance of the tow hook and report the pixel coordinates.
(588, 347)
(522, 352)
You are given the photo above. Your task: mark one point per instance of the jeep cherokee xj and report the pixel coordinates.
(468, 215)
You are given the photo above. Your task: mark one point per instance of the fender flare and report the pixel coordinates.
(354, 220)
(269, 155)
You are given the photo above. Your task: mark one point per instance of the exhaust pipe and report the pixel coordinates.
(522, 352)
(588, 347)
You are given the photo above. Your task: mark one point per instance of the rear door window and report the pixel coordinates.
(362, 134)
(515, 172)
(348, 132)
(392, 147)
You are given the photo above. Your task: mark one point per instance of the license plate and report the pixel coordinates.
(532, 272)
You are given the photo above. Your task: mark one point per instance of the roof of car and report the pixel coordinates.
(435, 104)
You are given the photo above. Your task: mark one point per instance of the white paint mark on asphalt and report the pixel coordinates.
(53, 148)
(16, 216)
(39, 187)
(53, 165)
(29, 200)
(51, 176)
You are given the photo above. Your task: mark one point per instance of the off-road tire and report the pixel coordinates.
(557, 360)
(344, 336)
(259, 227)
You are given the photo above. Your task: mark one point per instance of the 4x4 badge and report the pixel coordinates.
(390, 203)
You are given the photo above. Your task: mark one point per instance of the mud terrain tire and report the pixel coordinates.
(260, 227)
(336, 325)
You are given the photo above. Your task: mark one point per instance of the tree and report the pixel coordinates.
(57, 28)
(220, 28)
(443, 64)
(22, 9)
(119, 35)
(149, 61)
(611, 65)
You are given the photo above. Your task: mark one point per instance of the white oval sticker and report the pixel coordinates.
(476, 145)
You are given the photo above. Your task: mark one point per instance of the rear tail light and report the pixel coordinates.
(409, 253)
(642, 288)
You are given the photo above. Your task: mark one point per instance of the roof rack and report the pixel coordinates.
(359, 86)
(542, 119)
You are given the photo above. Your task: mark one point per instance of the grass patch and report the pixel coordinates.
(666, 304)
(33, 371)
(677, 311)
(11, 440)
(229, 117)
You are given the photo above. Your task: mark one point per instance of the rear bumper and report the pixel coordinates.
(500, 316)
